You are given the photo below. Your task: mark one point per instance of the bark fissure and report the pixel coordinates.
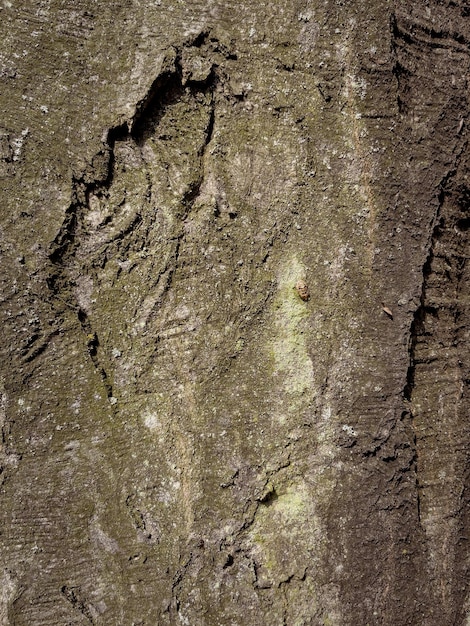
(97, 179)
(432, 339)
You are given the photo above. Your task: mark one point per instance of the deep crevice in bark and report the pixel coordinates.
(97, 178)
(434, 336)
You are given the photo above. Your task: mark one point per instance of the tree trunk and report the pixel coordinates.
(234, 371)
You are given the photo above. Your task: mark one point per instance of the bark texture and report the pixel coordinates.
(234, 297)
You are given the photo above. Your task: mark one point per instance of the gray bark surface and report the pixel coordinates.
(234, 365)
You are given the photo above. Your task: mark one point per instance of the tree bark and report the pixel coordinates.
(234, 372)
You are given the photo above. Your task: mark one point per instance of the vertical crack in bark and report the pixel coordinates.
(418, 321)
(432, 386)
(397, 68)
(97, 178)
(417, 329)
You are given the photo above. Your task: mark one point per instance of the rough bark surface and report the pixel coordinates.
(186, 437)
